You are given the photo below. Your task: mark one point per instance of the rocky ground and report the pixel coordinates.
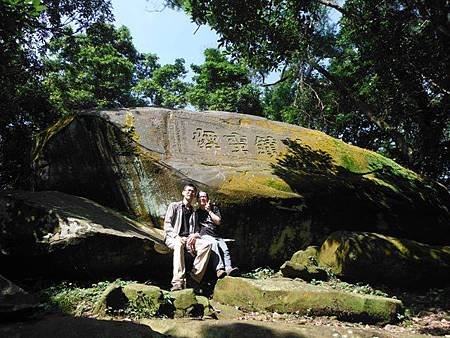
(429, 322)
(427, 313)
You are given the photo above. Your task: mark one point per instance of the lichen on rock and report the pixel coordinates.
(372, 257)
(280, 187)
(292, 296)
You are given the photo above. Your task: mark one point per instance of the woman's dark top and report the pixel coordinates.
(207, 226)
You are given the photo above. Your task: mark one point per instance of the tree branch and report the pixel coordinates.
(369, 110)
(282, 78)
(276, 82)
(334, 5)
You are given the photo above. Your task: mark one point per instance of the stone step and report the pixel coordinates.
(285, 295)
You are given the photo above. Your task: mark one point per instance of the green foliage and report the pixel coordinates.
(162, 85)
(141, 307)
(265, 33)
(223, 85)
(378, 80)
(260, 273)
(23, 99)
(394, 55)
(306, 101)
(26, 27)
(94, 69)
(79, 300)
(31, 7)
(72, 299)
(359, 288)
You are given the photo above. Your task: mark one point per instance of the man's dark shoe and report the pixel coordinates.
(221, 273)
(233, 272)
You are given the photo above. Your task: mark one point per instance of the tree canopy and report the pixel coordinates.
(26, 30)
(220, 84)
(162, 85)
(377, 78)
(92, 69)
(373, 74)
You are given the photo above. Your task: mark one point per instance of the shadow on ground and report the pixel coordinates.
(75, 327)
(245, 330)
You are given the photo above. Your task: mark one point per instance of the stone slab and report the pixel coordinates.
(292, 296)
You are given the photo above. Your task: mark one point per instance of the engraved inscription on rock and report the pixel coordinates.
(203, 138)
(237, 143)
(206, 139)
(266, 145)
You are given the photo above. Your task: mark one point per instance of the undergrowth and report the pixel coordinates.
(74, 299)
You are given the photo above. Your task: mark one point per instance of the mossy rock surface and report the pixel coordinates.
(305, 272)
(208, 310)
(111, 299)
(304, 264)
(133, 291)
(147, 298)
(372, 257)
(305, 257)
(280, 187)
(184, 299)
(187, 304)
(291, 296)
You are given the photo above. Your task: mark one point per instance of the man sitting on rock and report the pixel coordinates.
(180, 235)
(208, 217)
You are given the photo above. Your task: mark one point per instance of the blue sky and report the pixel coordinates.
(169, 34)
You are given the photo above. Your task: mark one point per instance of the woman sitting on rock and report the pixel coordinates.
(208, 218)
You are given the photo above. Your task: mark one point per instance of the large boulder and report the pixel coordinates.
(284, 295)
(15, 302)
(52, 233)
(371, 257)
(280, 187)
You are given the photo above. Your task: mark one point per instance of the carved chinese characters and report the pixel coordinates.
(206, 139)
(266, 145)
(203, 138)
(237, 143)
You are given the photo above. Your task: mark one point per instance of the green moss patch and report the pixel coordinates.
(372, 257)
(291, 296)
